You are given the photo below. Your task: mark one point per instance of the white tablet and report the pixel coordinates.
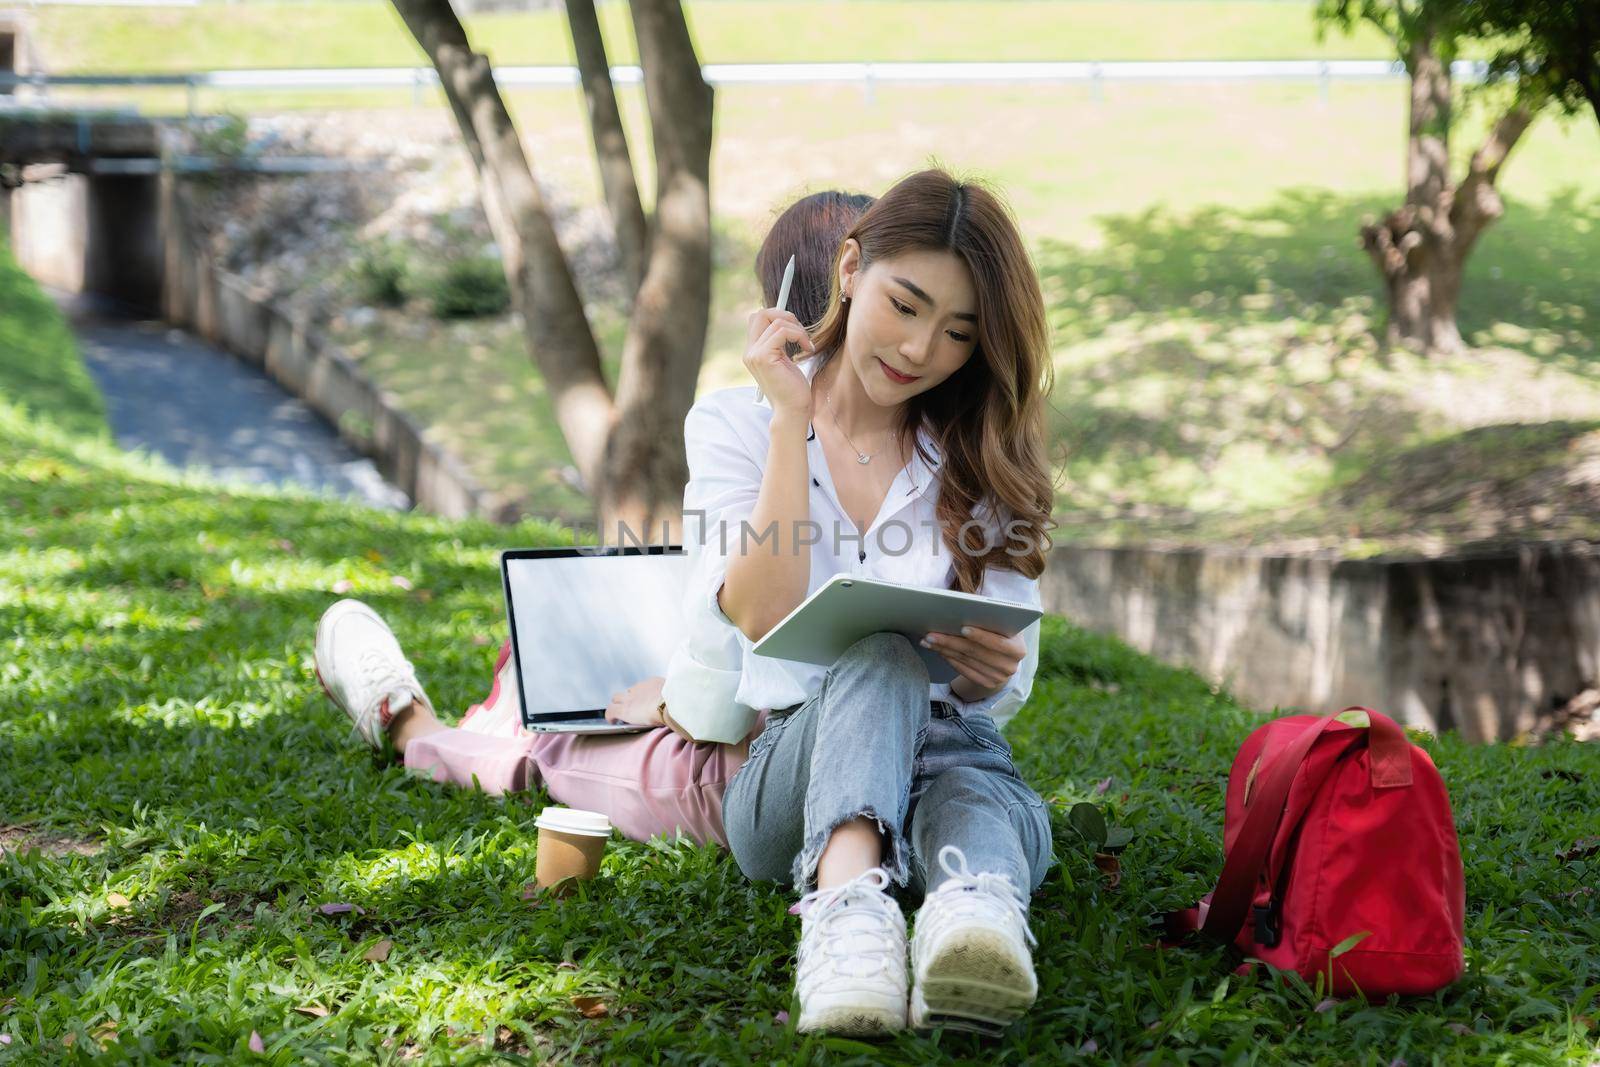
(849, 608)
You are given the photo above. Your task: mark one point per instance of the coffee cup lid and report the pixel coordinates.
(574, 821)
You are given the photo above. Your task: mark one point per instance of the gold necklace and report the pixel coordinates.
(861, 457)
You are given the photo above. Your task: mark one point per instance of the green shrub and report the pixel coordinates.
(226, 136)
(381, 274)
(469, 288)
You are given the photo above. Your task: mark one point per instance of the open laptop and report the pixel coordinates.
(587, 622)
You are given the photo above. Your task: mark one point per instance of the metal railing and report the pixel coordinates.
(868, 75)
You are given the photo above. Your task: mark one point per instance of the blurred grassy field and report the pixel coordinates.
(1217, 376)
(1216, 373)
(370, 34)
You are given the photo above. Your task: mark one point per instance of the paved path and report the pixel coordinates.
(174, 396)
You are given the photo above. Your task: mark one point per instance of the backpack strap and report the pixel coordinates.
(1389, 762)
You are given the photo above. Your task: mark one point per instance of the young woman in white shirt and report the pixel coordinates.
(902, 438)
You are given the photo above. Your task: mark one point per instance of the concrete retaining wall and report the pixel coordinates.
(49, 223)
(230, 313)
(1482, 644)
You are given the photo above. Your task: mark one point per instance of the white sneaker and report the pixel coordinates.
(851, 975)
(970, 954)
(362, 669)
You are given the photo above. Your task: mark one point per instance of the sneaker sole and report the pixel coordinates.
(854, 1021)
(974, 981)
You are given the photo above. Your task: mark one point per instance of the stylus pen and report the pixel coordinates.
(782, 305)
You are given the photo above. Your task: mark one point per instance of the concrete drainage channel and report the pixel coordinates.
(195, 407)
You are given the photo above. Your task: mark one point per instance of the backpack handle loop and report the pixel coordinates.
(1388, 751)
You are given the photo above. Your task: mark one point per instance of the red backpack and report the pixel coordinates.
(1342, 858)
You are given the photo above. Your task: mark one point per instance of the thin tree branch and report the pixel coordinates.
(610, 141)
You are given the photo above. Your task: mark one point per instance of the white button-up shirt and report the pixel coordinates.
(715, 681)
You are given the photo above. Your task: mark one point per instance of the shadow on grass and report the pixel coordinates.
(1221, 366)
(1537, 269)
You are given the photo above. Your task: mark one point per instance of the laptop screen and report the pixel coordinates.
(589, 622)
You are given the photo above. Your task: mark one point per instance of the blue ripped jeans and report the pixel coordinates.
(870, 743)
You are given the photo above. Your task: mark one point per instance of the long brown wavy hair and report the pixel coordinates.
(988, 417)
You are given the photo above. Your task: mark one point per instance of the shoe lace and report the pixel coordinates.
(388, 677)
(966, 894)
(845, 915)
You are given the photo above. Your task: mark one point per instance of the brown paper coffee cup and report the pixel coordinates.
(571, 844)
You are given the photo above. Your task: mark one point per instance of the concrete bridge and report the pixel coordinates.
(79, 220)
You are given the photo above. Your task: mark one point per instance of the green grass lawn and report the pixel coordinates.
(179, 798)
(39, 363)
(362, 33)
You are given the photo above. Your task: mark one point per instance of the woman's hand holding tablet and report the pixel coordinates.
(980, 636)
(983, 657)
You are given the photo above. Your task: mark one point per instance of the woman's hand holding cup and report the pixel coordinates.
(771, 340)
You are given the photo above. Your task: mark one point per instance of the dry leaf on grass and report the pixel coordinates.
(316, 1011)
(116, 900)
(591, 1007)
(1582, 850)
(340, 909)
(378, 952)
(1111, 867)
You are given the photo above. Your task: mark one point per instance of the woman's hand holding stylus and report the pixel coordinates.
(984, 658)
(767, 358)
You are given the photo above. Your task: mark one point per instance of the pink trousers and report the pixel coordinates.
(648, 783)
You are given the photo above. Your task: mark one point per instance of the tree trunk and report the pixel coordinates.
(1421, 248)
(629, 453)
(644, 469)
(542, 289)
(610, 142)
(1428, 122)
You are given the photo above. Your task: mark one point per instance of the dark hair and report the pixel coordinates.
(810, 229)
(988, 417)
